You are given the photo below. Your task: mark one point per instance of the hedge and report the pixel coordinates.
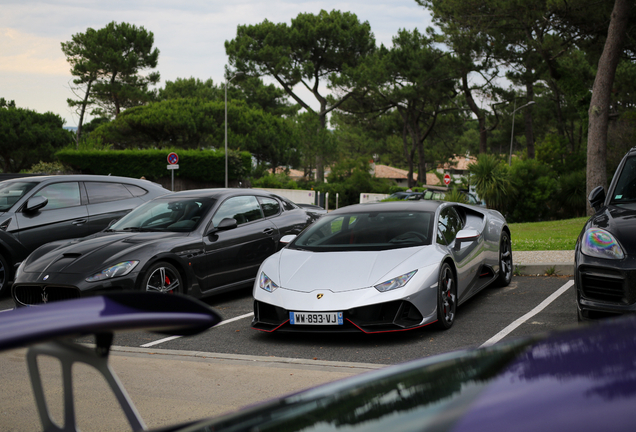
(201, 165)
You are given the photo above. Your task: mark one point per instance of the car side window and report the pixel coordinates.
(448, 225)
(99, 192)
(271, 207)
(288, 205)
(60, 195)
(243, 209)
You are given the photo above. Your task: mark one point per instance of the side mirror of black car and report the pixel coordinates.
(35, 203)
(224, 225)
(597, 198)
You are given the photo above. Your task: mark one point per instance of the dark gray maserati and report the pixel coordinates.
(196, 242)
(35, 210)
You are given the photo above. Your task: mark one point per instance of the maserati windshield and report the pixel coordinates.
(367, 231)
(166, 214)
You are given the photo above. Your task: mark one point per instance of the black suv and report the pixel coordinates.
(38, 210)
(605, 256)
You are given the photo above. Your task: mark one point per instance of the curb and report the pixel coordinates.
(243, 359)
(541, 269)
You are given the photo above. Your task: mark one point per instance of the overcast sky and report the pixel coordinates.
(190, 35)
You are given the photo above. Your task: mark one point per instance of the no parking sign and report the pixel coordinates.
(173, 158)
(173, 165)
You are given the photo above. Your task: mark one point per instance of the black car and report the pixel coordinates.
(196, 242)
(605, 256)
(38, 210)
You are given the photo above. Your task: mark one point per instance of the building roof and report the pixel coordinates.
(459, 163)
(292, 173)
(385, 171)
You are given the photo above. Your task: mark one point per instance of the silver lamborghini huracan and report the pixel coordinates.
(383, 267)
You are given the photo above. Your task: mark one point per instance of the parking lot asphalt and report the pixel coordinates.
(174, 386)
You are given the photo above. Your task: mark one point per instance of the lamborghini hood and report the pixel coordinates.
(344, 271)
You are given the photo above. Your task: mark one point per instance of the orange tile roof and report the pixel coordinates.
(459, 163)
(384, 171)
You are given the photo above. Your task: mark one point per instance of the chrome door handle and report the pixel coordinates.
(79, 222)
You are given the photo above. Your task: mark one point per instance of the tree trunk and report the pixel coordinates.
(82, 112)
(601, 92)
(481, 118)
(320, 161)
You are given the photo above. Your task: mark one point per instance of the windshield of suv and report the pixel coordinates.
(365, 231)
(625, 190)
(12, 191)
(166, 214)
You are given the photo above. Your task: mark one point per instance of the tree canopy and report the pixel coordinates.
(108, 65)
(28, 137)
(314, 51)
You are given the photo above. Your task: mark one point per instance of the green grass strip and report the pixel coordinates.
(551, 235)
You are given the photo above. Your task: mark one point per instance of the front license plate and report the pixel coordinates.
(315, 318)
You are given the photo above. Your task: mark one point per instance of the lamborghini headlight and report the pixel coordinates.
(601, 244)
(395, 283)
(120, 269)
(266, 283)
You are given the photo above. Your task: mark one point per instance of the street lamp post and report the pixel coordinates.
(512, 133)
(226, 83)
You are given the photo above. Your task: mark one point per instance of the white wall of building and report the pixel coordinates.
(294, 195)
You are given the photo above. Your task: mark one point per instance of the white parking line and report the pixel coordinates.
(499, 336)
(227, 321)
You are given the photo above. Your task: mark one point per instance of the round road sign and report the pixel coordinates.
(447, 179)
(173, 158)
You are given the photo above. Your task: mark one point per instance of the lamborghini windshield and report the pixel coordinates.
(166, 214)
(367, 231)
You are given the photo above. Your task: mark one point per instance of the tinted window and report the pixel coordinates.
(104, 192)
(625, 190)
(136, 190)
(367, 231)
(60, 195)
(243, 209)
(448, 226)
(270, 206)
(170, 214)
(288, 205)
(11, 192)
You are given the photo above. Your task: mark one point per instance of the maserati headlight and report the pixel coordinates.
(601, 244)
(266, 283)
(19, 270)
(395, 283)
(120, 269)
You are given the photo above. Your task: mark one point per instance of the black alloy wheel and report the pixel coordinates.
(446, 297)
(505, 261)
(164, 278)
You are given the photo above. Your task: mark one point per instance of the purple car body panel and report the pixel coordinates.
(583, 380)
